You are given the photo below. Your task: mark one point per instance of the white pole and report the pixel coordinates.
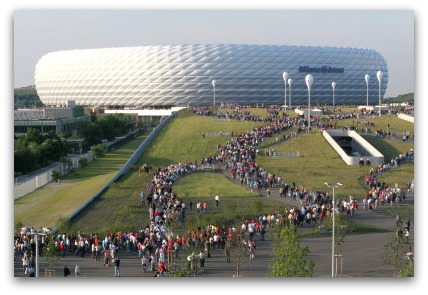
(379, 78)
(289, 84)
(367, 77)
(285, 77)
(213, 82)
(333, 85)
(309, 80)
(37, 255)
(332, 240)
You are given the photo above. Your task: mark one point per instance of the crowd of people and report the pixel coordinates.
(156, 245)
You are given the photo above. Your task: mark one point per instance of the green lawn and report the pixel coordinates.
(388, 147)
(203, 184)
(318, 164)
(395, 124)
(45, 205)
(181, 140)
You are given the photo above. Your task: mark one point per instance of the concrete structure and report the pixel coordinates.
(182, 75)
(407, 118)
(314, 112)
(374, 156)
(57, 119)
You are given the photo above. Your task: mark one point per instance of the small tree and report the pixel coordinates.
(237, 253)
(83, 162)
(339, 239)
(56, 175)
(51, 253)
(394, 252)
(290, 257)
(99, 150)
(408, 270)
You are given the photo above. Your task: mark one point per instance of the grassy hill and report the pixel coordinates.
(119, 208)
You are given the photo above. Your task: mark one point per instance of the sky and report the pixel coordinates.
(390, 32)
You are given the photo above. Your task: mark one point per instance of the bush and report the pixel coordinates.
(99, 150)
(56, 175)
(83, 162)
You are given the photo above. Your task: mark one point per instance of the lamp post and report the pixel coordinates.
(36, 235)
(289, 84)
(333, 231)
(367, 77)
(285, 77)
(214, 92)
(333, 85)
(309, 80)
(379, 78)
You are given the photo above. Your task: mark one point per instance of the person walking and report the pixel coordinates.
(77, 270)
(217, 200)
(116, 266)
(227, 250)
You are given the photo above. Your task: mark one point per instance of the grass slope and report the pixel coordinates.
(45, 205)
(182, 140)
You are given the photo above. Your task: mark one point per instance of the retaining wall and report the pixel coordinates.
(407, 118)
(375, 158)
(137, 154)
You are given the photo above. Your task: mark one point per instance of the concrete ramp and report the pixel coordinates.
(362, 148)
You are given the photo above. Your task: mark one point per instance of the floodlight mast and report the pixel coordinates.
(333, 231)
(309, 80)
(367, 77)
(214, 82)
(285, 77)
(379, 78)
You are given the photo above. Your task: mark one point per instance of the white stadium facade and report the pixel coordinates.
(182, 75)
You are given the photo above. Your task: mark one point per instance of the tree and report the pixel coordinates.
(394, 252)
(83, 162)
(51, 254)
(99, 150)
(56, 175)
(238, 251)
(290, 257)
(339, 237)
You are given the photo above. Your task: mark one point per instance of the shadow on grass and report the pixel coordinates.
(389, 151)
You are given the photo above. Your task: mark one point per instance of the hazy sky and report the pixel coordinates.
(390, 32)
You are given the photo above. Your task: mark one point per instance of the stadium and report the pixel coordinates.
(182, 75)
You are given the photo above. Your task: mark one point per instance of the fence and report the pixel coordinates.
(217, 134)
(275, 154)
(135, 156)
(217, 119)
(25, 185)
(207, 167)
